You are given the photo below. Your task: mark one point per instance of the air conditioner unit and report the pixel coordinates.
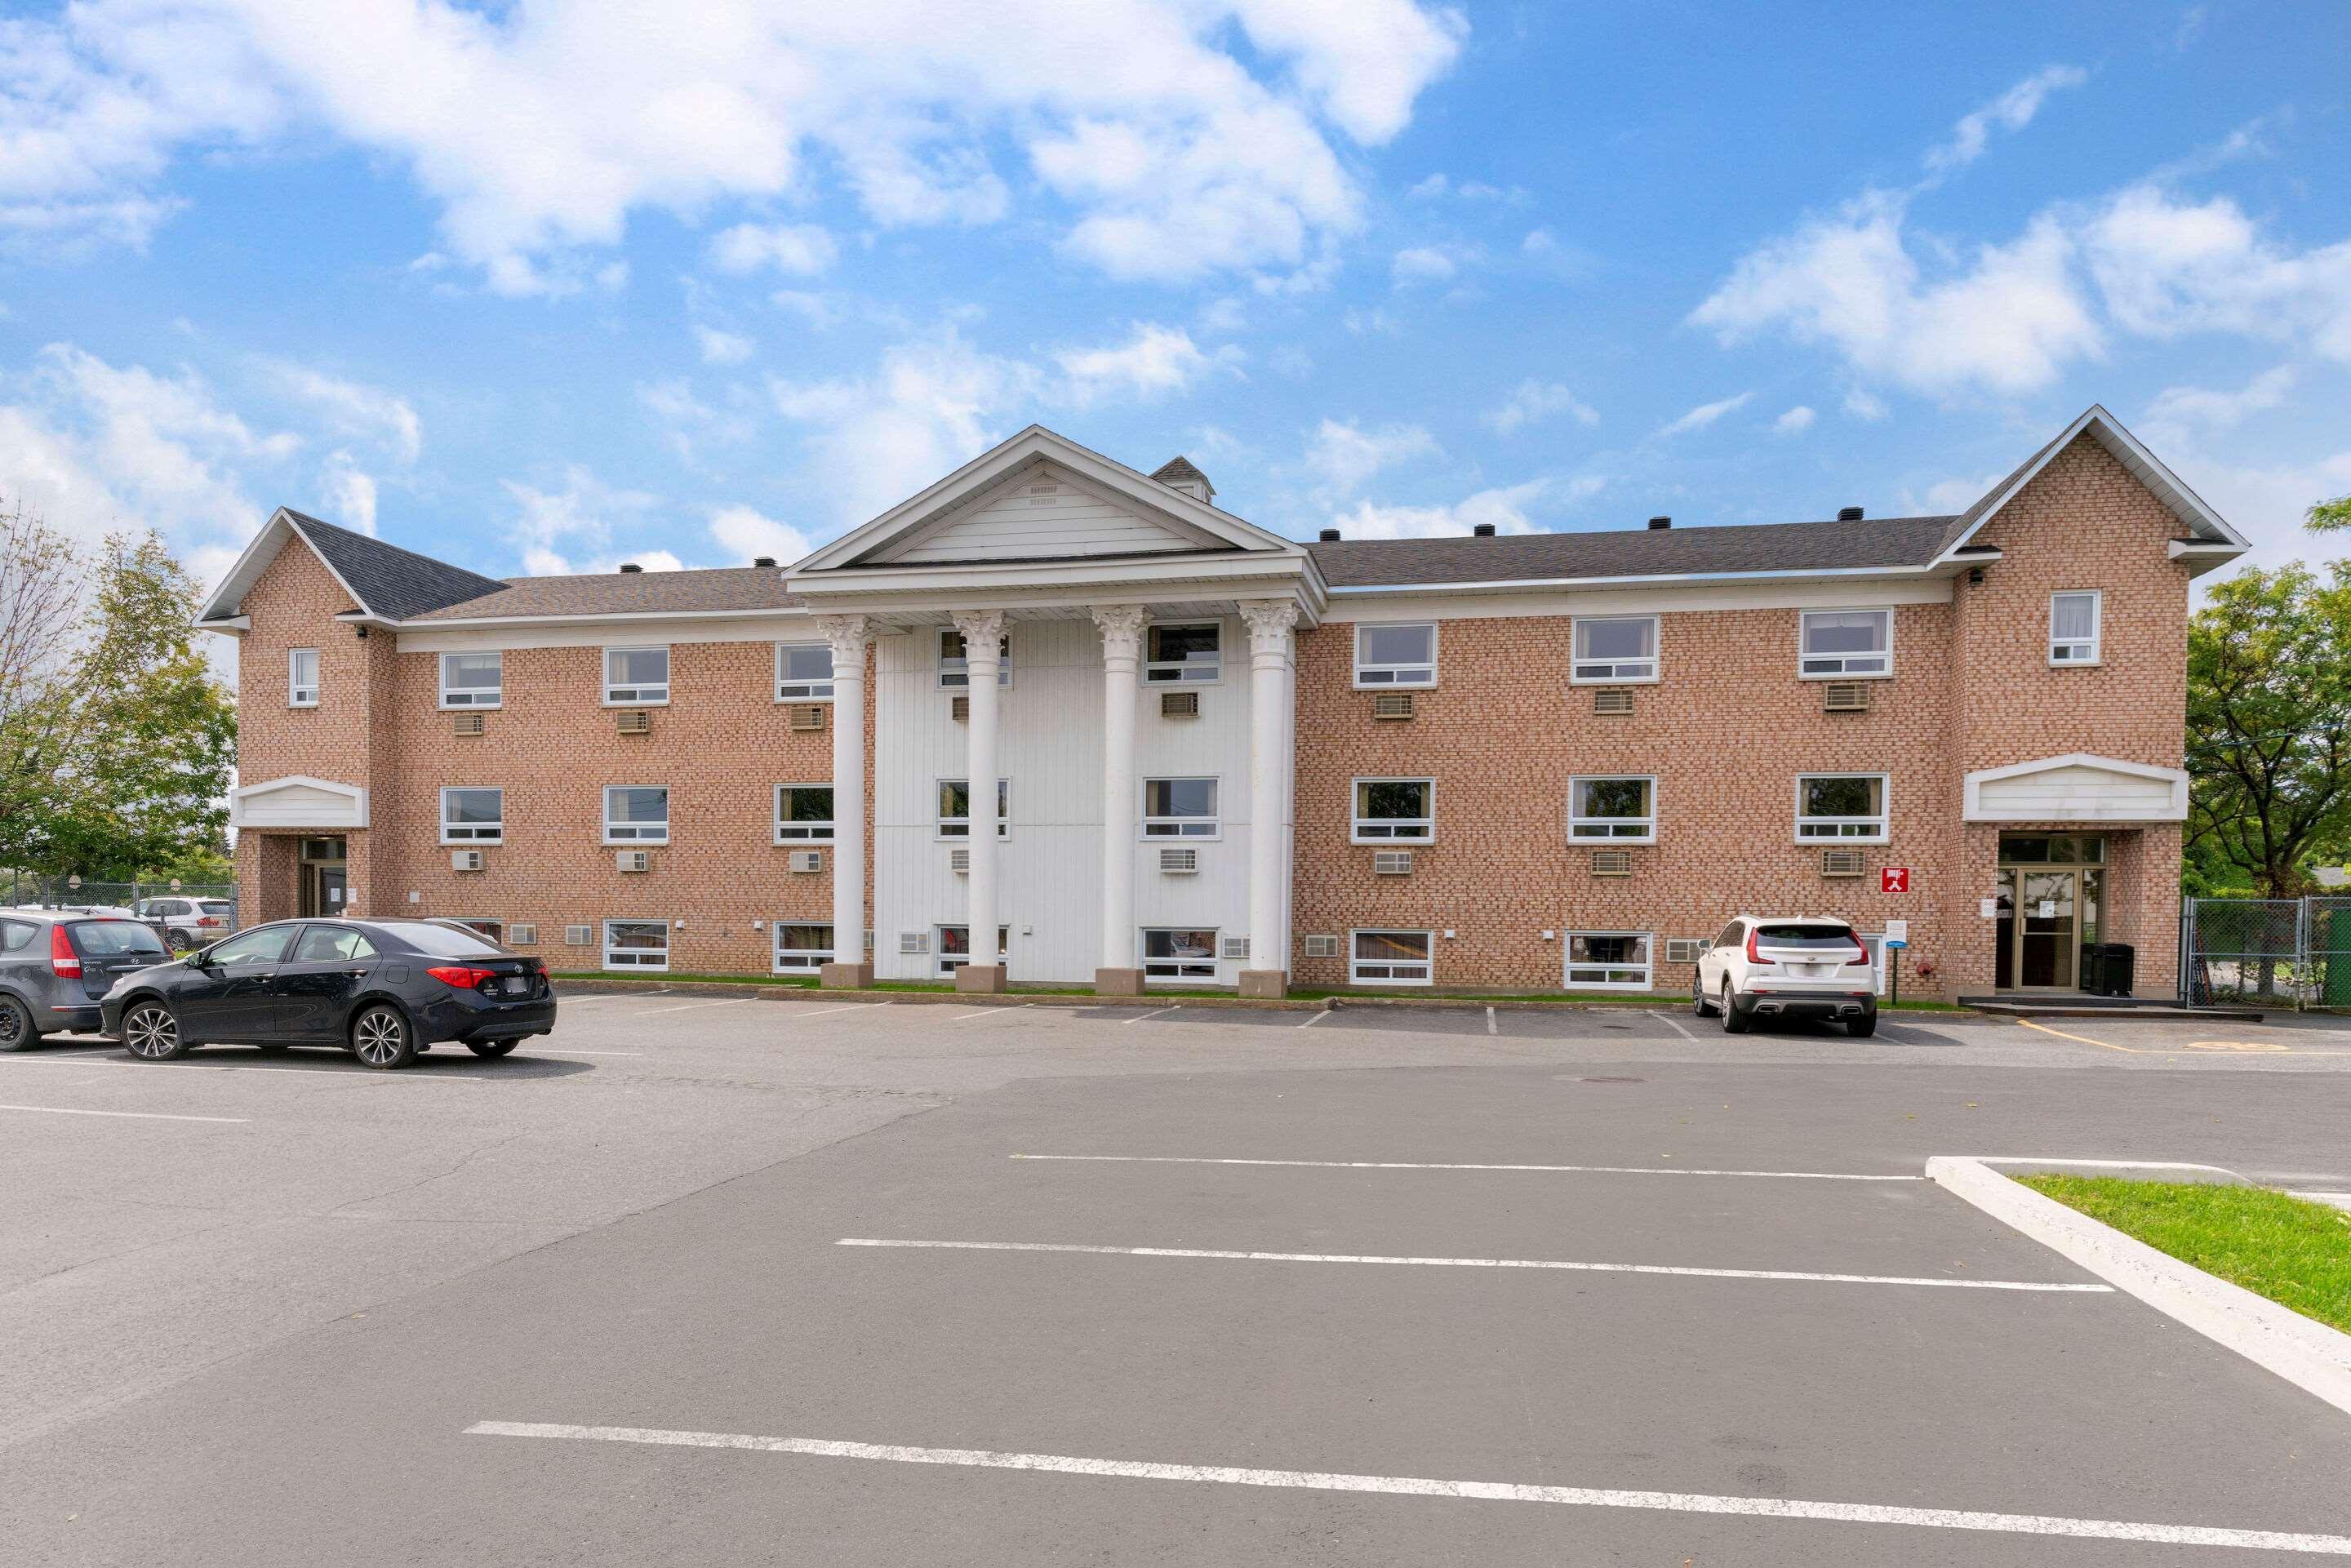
(1845, 696)
(635, 721)
(807, 860)
(1179, 704)
(579, 935)
(1392, 705)
(1613, 700)
(632, 860)
(1322, 947)
(960, 710)
(1233, 947)
(1392, 862)
(1611, 863)
(1843, 863)
(959, 861)
(1179, 863)
(522, 934)
(808, 716)
(470, 723)
(466, 860)
(1686, 949)
(913, 941)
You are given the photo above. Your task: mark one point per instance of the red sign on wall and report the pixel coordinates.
(1894, 879)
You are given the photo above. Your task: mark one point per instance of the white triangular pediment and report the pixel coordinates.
(2077, 788)
(299, 800)
(1044, 512)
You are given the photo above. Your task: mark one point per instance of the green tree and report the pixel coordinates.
(2269, 725)
(2327, 516)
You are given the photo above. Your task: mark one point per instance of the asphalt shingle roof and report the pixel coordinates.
(1632, 552)
(394, 583)
(744, 588)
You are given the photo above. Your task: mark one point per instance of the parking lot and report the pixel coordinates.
(753, 1280)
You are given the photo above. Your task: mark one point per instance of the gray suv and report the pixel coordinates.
(55, 965)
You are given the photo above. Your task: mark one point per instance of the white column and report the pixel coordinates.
(847, 634)
(983, 631)
(1270, 623)
(1122, 636)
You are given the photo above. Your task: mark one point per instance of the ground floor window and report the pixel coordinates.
(801, 947)
(955, 946)
(1617, 959)
(1391, 958)
(636, 943)
(1170, 955)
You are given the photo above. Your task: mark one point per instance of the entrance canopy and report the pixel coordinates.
(2077, 787)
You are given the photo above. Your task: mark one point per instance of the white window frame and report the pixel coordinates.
(791, 691)
(295, 687)
(803, 960)
(1882, 823)
(474, 833)
(1176, 672)
(631, 966)
(1654, 663)
(1583, 830)
(1804, 620)
(944, 964)
(613, 687)
(2095, 642)
(942, 823)
(1355, 975)
(955, 673)
(1357, 832)
(635, 835)
(1392, 684)
(1646, 970)
(803, 833)
(1178, 969)
(470, 698)
(1181, 830)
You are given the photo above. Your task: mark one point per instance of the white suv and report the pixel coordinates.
(1799, 967)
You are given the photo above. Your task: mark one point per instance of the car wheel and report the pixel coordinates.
(17, 1030)
(152, 1033)
(491, 1047)
(382, 1038)
(178, 941)
(1863, 1026)
(1699, 1004)
(1733, 1021)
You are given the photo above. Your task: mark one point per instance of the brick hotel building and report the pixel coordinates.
(1223, 758)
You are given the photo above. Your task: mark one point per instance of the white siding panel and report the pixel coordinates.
(1016, 522)
(2079, 793)
(300, 806)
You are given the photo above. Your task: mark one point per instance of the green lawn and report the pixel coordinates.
(2296, 1253)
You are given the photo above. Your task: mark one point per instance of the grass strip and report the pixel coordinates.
(2296, 1253)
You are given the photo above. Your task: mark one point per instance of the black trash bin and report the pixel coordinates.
(2109, 968)
(2094, 969)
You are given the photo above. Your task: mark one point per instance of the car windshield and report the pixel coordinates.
(441, 941)
(214, 905)
(1818, 938)
(105, 938)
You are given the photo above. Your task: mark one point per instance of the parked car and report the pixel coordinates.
(1792, 967)
(382, 989)
(188, 922)
(56, 965)
(106, 911)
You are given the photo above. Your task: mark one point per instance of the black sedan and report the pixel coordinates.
(382, 989)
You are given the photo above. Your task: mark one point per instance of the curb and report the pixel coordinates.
(2305, 1352)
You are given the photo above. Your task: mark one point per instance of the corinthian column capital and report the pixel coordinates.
(980, 628)
(847, 634)
(1270, 623)
(1122, 631)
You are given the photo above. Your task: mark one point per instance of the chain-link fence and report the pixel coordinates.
(2267, 952)
(186, 914)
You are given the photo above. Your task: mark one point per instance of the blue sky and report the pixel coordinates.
(542, 287)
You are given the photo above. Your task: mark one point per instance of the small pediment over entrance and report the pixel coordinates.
(299, 800)
(2077, 788)
(1045, 512)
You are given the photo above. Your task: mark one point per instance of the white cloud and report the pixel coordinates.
(353, 409)
(2178, 411)
(1795, 422)
(1862, 405)
(1504, 507)
(350, 492)
(722, 348)
(1343, 456)
(803, 250)
(2011, 111)
(1156, 361)
(744, 534)
(1422, 263)
(1435, 185)
(2167, 266)
(819, 310)
(552, 526)
(1536, 401)
(1945, 496)
(1704, 414)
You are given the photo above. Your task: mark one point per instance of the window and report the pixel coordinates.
(1395, 810)
(1390, 958)
(1613, 651)
(2074, 626)
(496, 930)
(1846, 807)
(636, 814)
(444, 938)
(16, 934)
(636, 678)
(1618, 960)
(471, 679)
(955, 674)
(1396, 655)
(954, 809)
(250, 950)
(333, 944)
(636, 943)
(1184, 653)
(1838, 644)
(1621, 810)
(955, 946)
(1180, 809)
(803, 813)
(801, 947)
(470, 816)
(1179, 954)
(803, 671)
(302, 678)
(109, 938)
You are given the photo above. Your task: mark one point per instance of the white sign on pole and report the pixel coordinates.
(1897, 934)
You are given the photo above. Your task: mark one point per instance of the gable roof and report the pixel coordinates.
(1864, 544)
(385, 581)
(2094, 422)
(708, 590)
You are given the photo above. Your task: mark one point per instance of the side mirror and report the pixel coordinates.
(195, 960)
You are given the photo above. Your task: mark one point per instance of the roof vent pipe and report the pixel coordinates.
(763, 560)
(1848, 514)
(630, 566)
(1661, 522)
(1330, 536)
(1484, 530)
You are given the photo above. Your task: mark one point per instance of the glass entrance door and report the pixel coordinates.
(2048, 928)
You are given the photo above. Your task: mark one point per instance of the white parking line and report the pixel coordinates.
(135, 1115)
(1490, 1027)
(2058, 1287)
(1471, 1491)
(1000, 1007)
(1431, 1165)
(1154, 1013)
(572, 1051)
(1672, 1023)
(1318, 1018)
(842, 1008)
(689, 1007)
